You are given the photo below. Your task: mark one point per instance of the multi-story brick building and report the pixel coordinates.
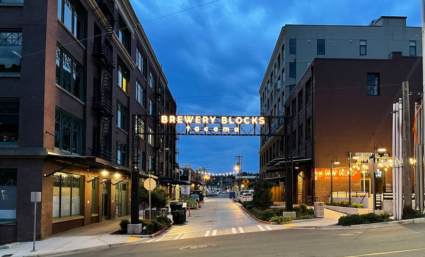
(73, 75)
(295, 50)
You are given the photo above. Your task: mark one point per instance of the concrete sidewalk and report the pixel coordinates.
(98, 236)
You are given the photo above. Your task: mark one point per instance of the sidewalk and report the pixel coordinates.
(97, 236)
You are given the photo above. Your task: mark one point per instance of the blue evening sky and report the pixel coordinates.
(214, 54)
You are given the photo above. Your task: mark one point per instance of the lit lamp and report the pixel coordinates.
(336, 162)
(380, 150)
(349, 176)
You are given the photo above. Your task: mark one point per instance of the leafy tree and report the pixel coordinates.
(263, 197)
(158, 196)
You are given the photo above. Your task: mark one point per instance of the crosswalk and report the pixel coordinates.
(213, 232)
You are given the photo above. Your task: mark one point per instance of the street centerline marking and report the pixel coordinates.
(207, 233)
(241, 230)
(233, 230)
(260, 227)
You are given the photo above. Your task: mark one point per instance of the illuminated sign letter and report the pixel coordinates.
(226, 129)
(254, 120)
(236, 129)
(187, 127)
(204, 119)
(212, 118)
(164, 119)
(188, 119)
(206, 129)
(230, 121)
(238, 120)
(262, 120)
(246, 120)
(223, 120)
(179, 119)
(196, 129)
(215, 129)
(172, 119)
(198, 119)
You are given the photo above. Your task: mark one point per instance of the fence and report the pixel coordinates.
(8, 233)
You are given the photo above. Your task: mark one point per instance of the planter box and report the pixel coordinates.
(347, 210)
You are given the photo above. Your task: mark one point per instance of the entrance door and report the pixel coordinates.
(121, 199)
(104, 201)
(366, 185)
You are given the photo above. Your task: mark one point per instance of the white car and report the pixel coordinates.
(239, 198)
(247, 197)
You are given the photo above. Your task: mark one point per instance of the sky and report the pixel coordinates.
(214, 54)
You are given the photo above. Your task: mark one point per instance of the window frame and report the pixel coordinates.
(78, 18)
(293, 70)
(292, 46)
(74, 122)
(373, 89)
(122, 116)
(122, 154)
(321, 47)
(412, 47)
(11, 39)
(12, 104)
(363, 47)
(75, 65)
(61, 185)
(123, 76)
(140, 94)
(141, 62)
(124, 35)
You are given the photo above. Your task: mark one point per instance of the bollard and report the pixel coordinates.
(197, 207)
(189, 209)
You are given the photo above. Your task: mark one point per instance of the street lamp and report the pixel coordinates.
(336, 162)
(380, 150)
(349, 176)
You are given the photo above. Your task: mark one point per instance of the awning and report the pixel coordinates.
(174, 181)
(280, 161)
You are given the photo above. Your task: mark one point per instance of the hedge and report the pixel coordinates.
(363, 219)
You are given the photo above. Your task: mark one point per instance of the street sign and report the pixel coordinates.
(245, 181)
(150, 184)
(235, 187)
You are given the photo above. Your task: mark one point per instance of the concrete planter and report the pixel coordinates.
(347, 210)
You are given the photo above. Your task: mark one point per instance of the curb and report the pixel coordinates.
(255, 218)
(160, 232)
(8, 246)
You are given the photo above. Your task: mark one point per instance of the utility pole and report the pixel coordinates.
(407, 188)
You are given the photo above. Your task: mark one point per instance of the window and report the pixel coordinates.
(308, 93)
(151, 135)
(122, 156)
(94, 195)
(320, 47)
(151, 164)
(300, 135)
(151, 80)
(142, 128)
(363, 47)
(140, 94)
(300, 101)
(67, 194)
(142, 163)
(308, 129)
(68, 132)
(141, 62)
(10, 53)
(122, 116)
(412, 48)
(292, 46)
(11, 1)
(9, 121)
(294, 108)
(123, 76)
(8, 194)
(292, 70)
(151, 107)
(69, 73)
(72, 15)
(373, 84)
(124, 36)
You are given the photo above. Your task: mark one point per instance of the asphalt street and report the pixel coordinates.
(406, 240)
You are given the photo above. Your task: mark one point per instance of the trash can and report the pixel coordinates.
(232, 195)
(319, 210)
(174, 206)
(178, 213)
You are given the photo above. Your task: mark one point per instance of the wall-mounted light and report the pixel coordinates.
(104, 173)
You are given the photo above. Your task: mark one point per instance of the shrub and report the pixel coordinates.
(345, 203)
(418, 214)
(360, 206)
(328, 203)
(142, 222)
(263, 197)
(303, 208)
(157, 226)
(164, 220)
(281, 219)
(363, 219)
(267, 214)
(123, 225)
(336, 203)
(354, 205)
(150, 228)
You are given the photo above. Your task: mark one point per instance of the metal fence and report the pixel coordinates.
(8, 233)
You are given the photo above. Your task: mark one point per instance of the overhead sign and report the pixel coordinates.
(214, 125)
(150, 184)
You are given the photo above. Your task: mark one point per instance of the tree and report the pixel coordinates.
(263, 197)
(158, 196)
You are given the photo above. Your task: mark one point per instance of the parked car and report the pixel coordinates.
(218, 191)
(212, 193)
(247, 197)
(239, 197)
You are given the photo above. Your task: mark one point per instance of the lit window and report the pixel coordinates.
(10, 53)
(67, 194)
(151, 138)
(140, 94)
(122, 116)
(122, 154)
(141, 62)
(151, 80)
(151, 164)
(151, 108)
(123, 76)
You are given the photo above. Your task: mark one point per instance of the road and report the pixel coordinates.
(197, 238)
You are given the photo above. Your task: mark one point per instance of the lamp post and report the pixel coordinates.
(349, 176)
(237, 169)
(380, 150)
(332, 163)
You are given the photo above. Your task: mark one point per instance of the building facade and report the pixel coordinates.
(295, 50)
(75, 76)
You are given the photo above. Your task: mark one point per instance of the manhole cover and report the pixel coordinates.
(194, 247)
